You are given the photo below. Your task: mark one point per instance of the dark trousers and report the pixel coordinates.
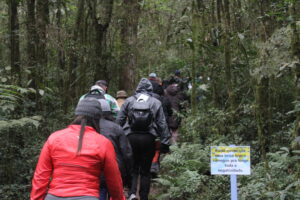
(143, 149)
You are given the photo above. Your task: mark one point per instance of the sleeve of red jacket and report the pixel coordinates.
(42, 174)
(112, 174)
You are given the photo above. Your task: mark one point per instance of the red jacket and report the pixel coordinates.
(76, 175)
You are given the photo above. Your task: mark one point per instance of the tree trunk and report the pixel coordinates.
(42, 21)
(101, 14)
(31, 43)
(262, 115)
(14, 41)
(69, 81)
(129, 29)
(61, 57)
(296, 53)
(194, 53)
(227, 56)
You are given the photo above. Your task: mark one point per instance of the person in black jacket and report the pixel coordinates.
(176, 97)
(115, 134)
(143, 142)
(158, 93)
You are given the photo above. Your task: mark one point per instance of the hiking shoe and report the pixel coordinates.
(133, 197)
(154, 168)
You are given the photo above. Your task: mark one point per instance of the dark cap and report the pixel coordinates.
(90, 107)
(177, 72)
(102, 83)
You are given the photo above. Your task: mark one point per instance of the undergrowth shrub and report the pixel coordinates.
(185, 171)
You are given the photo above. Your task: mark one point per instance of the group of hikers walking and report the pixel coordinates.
(111, 144)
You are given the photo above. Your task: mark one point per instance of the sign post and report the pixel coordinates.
(233, 187)
(230, 160)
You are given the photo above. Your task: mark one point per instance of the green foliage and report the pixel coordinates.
(11, 97)
(19, 147)
(182, 172)
(185, 175)
(279, 182)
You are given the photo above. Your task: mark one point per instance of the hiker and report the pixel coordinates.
(158, 93)
(146, 122)
(99, 91)
(115, 134)
(174, 95)
(121, 97)
(176, 79)
(73, 158)
(155, 85)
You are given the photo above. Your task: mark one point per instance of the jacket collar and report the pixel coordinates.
(77, 127)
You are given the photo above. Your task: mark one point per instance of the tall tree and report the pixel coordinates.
(74, 54)
(227, 54)
(14, 41)
(129, 29)
(296, 53)
(101, 14)
(31, 42)
(42, 21)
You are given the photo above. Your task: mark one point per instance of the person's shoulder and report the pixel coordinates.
(101, 139)
(155, 101)
(108, 96)
(131, 98)
(58, 133)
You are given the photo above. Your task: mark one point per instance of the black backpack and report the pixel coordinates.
(95, 94)
(140, 117)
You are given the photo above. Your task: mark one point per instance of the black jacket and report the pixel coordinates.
(159, 128)
(175, 96)
(115, 134)
(166, 104)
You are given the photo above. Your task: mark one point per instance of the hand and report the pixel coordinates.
(164, 148)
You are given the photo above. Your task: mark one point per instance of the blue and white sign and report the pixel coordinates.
(229, 160)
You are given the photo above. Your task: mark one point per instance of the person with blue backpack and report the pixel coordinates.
(143, 120)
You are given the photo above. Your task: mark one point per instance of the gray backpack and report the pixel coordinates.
(140, 115)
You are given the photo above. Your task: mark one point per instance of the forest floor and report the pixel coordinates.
(154, 191)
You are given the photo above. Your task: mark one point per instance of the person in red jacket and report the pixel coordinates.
(73, 158)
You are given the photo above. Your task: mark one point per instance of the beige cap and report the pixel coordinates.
(122, 94)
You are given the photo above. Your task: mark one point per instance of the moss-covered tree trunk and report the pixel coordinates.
(194, 48)
(296, 53)
(42, 21)
(31, 43)
(14, 41)
(129, 28)
(262, 115)
(101, 15)
(227, 55)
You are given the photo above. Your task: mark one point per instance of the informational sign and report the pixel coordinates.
(229, 160)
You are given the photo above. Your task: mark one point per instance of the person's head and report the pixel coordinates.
(103, 84)
(144, 86)
(88, 113)
(152, 76)
(122, 94)
(159, 81)
(177, 72)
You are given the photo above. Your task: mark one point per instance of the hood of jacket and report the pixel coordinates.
(144, 86)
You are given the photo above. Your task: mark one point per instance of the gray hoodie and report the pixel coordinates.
(159, 127)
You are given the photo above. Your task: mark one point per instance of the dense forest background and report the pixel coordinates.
(242, 57)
